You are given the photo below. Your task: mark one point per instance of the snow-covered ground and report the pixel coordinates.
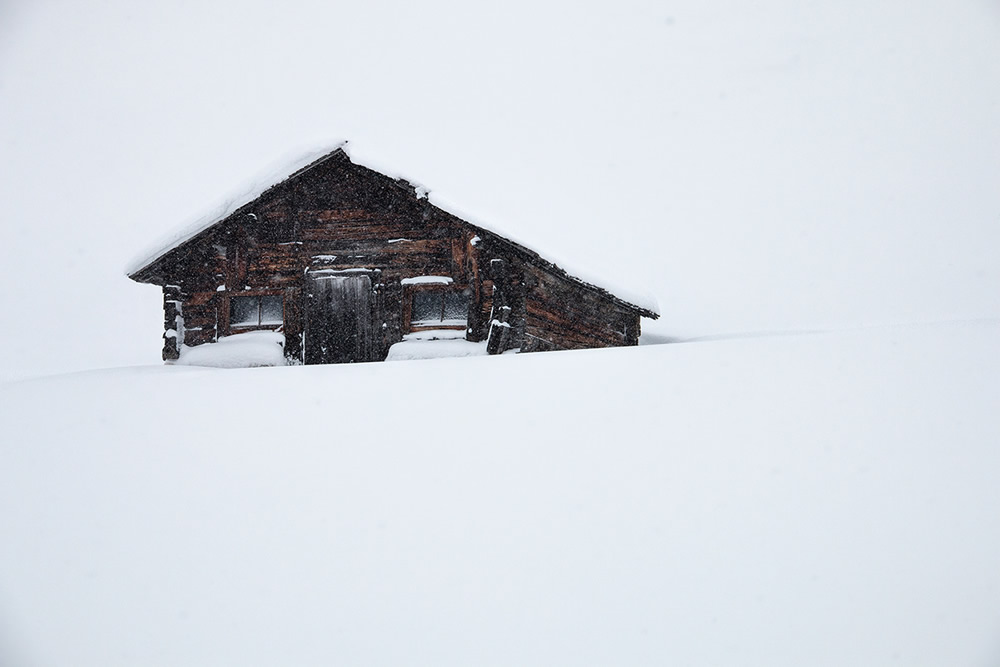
(823, 499)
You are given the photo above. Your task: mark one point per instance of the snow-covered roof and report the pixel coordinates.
(272, 177)
(638, 299)
(279, 174)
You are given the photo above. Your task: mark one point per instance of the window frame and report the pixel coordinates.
(251, 294)
(410, 290)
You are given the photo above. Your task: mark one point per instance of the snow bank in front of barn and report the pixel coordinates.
(245, 350)
(435, 344)
(827, 499)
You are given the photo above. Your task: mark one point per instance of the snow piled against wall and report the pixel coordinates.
(435, 344)
(244, 350)
(827, 499)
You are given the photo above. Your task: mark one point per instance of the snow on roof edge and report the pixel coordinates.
(279, 174)
(640, 299)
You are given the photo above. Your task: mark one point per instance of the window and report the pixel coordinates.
(255, 311)
(439, 308)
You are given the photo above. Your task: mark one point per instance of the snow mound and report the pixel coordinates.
(245, 350)
(435, 344)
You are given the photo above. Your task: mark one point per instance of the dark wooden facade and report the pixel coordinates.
(344, 253)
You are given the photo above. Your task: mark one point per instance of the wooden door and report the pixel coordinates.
(339, 318)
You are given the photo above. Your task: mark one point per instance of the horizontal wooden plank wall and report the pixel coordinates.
(562, 315)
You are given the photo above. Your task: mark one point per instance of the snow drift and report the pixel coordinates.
(249, 349)
(824, 500)
(435, 344)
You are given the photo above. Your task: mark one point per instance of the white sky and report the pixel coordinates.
(779, 166)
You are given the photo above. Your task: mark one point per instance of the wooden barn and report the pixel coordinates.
(346, 261)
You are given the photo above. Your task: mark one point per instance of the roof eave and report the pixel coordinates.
(143, 273)
(555, 268)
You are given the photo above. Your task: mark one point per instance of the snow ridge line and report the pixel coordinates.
(779, 333)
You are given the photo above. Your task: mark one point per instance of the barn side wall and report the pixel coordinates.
(562, 315)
